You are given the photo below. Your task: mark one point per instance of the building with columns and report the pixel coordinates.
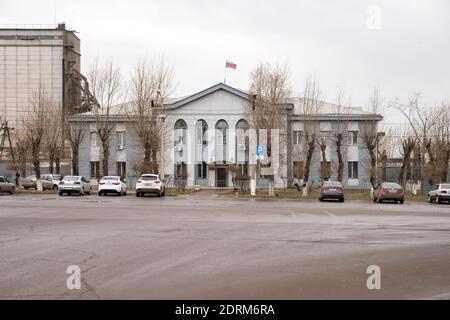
(209, 141)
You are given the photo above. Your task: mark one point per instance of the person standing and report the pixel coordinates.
(17, 178)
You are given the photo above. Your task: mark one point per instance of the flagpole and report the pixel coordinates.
(225, 77)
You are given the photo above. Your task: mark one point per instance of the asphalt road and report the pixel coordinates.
(205, 247)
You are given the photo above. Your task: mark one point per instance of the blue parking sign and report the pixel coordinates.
(259, 150)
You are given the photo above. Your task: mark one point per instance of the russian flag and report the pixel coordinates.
(229, 64)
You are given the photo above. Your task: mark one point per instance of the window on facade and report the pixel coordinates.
(95, 169)
(221, 132)
(353, 170)
(94, 139)
(122, 169)
(180, 170)
(201, 128)
(297, 169)
(201, 170)
(180, 132)
(297, 137)
(353, 138)
(120, 139)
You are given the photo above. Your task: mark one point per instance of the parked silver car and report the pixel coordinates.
(6, 186)
(74, 184)
(389, 191)
(440, 192)
(53, 179)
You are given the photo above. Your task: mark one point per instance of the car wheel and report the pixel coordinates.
(341, 200)
(11, 192)
(88, 192)
(137, 194)
(379, 200)
(402, 201)
(125, 193)
(320, 199)
(438, 201)
(60, 193)
(429, 199)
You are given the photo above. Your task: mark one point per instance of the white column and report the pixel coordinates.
(252, 160)
(190, 146)
(211, 151)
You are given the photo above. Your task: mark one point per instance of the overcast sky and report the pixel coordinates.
(339, 41)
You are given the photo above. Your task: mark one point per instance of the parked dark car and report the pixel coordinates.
(6, 186)
(390, 191)
(331, 190)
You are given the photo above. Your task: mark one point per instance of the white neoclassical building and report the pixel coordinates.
(209, 142)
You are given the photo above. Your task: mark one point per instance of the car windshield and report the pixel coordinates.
(110, 178)
(149, 178)
(445, 186)
(392, 185)
(332, 184)
(71, 178)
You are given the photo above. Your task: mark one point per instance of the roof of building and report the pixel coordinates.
(324, 109)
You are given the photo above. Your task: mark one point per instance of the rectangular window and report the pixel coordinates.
(94, 139)
(120, 139)
(201, 170)
(95, 169)
(122, 169)
(353, 170)
(353, 138)
(297, 137)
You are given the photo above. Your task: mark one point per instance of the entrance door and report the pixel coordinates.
(221, 177)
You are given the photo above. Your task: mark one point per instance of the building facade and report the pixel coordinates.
(209, 142)
(33, 59)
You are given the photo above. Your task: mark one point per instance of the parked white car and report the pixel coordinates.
(439, 193)
(150, 183)
(74, 184)
(53, 178)
(112, 184)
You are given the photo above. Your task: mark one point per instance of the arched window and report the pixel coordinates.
(242, 124)
(221, 132)
(180, 132)
(201, 128)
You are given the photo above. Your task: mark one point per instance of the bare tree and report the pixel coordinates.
(151, 85)
(270, 85)
(34, 126)
(370, 135)
(310, 110)
(75, 135)
(408, 145)
(107, 88)
(340, 133)
(421, 121)
(52, 138)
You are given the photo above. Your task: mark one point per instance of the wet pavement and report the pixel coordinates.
(206, 246)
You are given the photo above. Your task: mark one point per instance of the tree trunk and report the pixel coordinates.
(75, 156)
(50, 163)
(340, 176)
(58, 162)
(155, 161)
(373, 167)
(105, 162)
(384, 166)
(311, 147)
(37, 167)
